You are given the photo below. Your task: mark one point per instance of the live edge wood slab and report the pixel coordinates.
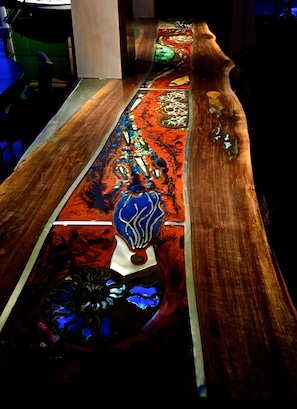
(247, 319)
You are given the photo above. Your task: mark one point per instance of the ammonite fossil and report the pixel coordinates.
(91, 306)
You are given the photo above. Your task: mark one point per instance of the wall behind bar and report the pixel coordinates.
(144, 8)
(97, 38)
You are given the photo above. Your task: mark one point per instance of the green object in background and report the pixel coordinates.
(26, 52)
(36, 29)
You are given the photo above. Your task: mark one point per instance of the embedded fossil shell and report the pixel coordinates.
(213, 94)
(179, 81)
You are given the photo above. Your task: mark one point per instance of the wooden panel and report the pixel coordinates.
(36, 187)
(243, 36)
(97, 35)
(144, 8)
(248, 322)
(127, 40)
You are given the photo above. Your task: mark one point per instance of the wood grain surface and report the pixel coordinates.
(29, 196)
(247, 320)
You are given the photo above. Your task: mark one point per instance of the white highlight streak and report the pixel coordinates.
(83, 223)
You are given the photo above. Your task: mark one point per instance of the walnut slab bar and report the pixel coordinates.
(247, 320)
(30, 195)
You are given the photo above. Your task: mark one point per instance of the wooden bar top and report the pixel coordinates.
(247, 319)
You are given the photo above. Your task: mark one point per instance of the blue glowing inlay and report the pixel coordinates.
(65, 320)
(144, 303)
(76, 326)
(144, 297)
(87, 333)
(105, 327)
(144, 291)
(139, 218)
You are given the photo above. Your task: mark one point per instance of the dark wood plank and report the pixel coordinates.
(32, 192)
(248, 322)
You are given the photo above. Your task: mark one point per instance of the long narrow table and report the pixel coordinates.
(246, 317)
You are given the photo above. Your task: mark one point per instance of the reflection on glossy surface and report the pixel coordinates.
(110, 278)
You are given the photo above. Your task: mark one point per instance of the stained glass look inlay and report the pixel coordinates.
(113, 294)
